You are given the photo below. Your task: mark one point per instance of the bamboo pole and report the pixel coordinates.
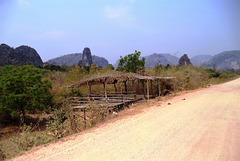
(105, 89)
(144, 88)
(138, 88)
(159, 89)
(90, 90)
(84, 117)
(121, 92)
(151, 86)
(115, 87)
(133, 84)
(72, 92)
(125, 84)
(148, 91)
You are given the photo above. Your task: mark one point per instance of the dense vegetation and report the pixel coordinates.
(29, 90)
(132, 63)
(22, 89)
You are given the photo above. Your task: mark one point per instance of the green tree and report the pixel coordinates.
(100, 69)
(92, 69)
(109, 67)
(22, 89)
(158, 68)
(76, 73)
(132, 63)
(52, 67)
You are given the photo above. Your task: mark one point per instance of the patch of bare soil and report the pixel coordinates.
(6, 132)
(36, 121)
(198, 125)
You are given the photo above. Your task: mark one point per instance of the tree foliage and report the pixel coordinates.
(92, 69)
(109, 67)
(52, 67)
(22, 88)
(131, 63)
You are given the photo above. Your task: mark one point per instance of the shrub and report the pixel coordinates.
(131, 63)
(28, 139)
(22, 88)
(2, 154)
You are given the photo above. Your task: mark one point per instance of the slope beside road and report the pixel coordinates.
(200, 125)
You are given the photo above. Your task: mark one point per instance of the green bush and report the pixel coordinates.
(28, 139)
(22, 88)
(132, 63)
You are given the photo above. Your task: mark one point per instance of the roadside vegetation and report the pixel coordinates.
(34, 108)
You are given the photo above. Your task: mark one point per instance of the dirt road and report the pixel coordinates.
(200, 125)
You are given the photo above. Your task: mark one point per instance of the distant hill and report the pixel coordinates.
(100, 61)
(71, 59)
(164, 59)
(173, 60)
(22, 55)
(116, 64)
(67, 60)
(153, 59)
(225, 60)
(200, 59)
(222, 61)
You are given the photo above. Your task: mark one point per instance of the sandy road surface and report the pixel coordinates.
(201, 125)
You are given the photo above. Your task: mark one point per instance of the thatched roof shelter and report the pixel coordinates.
(112, 79)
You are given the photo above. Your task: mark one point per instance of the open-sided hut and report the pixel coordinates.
(118, 79)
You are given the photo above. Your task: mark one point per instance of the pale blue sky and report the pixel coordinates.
(111, 28)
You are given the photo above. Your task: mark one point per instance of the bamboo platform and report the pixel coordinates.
(113, 102)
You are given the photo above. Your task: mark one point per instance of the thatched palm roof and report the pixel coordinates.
(111, 79)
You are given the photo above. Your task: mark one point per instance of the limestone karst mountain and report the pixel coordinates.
(22, 55)
(200, 60)
(225, 60)
(73, 59)
(184, 60)
(86, 58)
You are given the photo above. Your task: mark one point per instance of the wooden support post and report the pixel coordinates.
(105, 90)
(159, 89)
(90, 91)
(138, 88)
(115, 87)
(72, 93)
(121, 92)
(151, 86)
(84, 117)
(148, 91)
(125, 84)
(144, 93)
(175, 90)
(133, 82)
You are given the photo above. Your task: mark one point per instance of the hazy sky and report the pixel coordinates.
(111, 28)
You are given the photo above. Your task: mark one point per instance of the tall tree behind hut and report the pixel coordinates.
(132, 63)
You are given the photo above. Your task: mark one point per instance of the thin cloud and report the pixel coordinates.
(131, 1)
(22, 3)
(113, 12)
(122, 16)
